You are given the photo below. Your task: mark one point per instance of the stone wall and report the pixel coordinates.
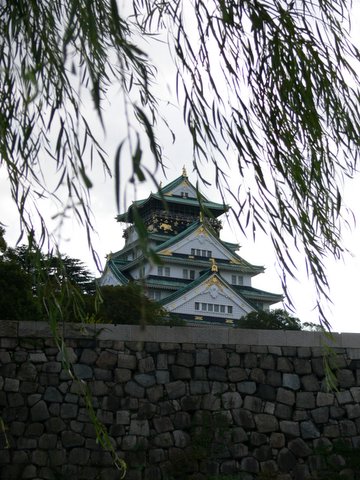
(188, 403)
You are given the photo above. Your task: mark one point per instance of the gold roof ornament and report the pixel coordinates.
(184, 172)
(160, 185)
(201, 216)
(214, 267)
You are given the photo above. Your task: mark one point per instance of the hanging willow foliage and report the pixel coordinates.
(268, 89)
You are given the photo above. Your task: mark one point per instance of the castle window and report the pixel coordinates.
(197, 306)
(229, 309)
(188, 274)
(164, 271)
(237, 280)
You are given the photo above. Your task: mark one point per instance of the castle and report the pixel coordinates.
(196, 275)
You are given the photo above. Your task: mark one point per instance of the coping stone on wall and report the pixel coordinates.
(350, 340)
(272, 337)
(301, 339)
(8, 328)
(188, 335)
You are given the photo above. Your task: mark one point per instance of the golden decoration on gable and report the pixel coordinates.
(166, 252)
(214, 267)
(166, 227)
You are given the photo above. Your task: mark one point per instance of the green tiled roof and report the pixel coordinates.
(187, 288)
(256, 294)
(163, 197)
(113, 267)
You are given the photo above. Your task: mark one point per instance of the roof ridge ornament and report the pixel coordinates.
(184, 172)
(214, 267)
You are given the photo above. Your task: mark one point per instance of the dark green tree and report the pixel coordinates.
(278, 319)
(268, 89)
(17, 301)
(129, 305)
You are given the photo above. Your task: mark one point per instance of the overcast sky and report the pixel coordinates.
(343, 275)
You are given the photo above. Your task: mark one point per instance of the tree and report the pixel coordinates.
(268, 86)
(31, 281)
(17, 301)
(128, 305)
(278, 319)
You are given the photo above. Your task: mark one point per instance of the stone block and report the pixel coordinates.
(79, 456)
(68, 410)
(284, 365)
(71, 439)
(344, 397)
(185, 359)
(48, 441)
(39, 412)
(145, 380)
(127, 361)
(217, 373)
(181, 439)
(257, 439)
(257, 375)
(180, 373)
(277, 440)
(246, 387)
(82, 371)
(231, 400)
(289, 428)
(331, 431)
(163, 440)
(345, 378)
(52, 394)
(274, 378)
(218, 357)
(267, 362)
(324, 399)
(202, 357)
(299, 448)
(291, 381)
(347, 428)
(309, 430)
(253, 404)
(250, 464)
(286, 460)
(266, 423)
(146, 365)
(133, 389)
(285, 396)
(11, 385)
(320, 415)
(243, 418)
(210, 402)
(250, 360)
(175, 389)
(305, 400)
(304, 352)
(198, 387)
(266, 392)
(237, 374)
(234, 359)
(310, 383)
(283, 412)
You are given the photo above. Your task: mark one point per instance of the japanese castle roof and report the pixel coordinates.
(163, 248)
(249, 294)
(167, 196)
